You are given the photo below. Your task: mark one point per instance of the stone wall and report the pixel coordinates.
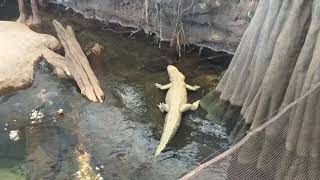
(216, 24)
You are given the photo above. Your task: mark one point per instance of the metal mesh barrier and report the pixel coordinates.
(286, 146)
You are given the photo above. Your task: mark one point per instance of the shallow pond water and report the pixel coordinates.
(120, 134)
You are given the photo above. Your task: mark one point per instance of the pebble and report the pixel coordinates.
(60, 112)
(36, 114)
(14, 135)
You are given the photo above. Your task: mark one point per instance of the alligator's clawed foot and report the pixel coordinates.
(195, 105)
(192, 88)
(196, 87)
(163, 107)
(157, 85)
(162, 87)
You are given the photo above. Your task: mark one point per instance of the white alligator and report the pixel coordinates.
(176, 104)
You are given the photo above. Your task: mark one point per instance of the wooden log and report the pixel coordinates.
(78, 64)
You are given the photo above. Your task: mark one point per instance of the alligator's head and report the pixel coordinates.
(175, 74)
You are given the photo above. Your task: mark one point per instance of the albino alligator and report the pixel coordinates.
(176, 104)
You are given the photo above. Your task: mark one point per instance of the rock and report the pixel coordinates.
(60, 112)
(23, 48)
(96, 55)
(36, 114)
(217, 24)
(96, 49)
(14, 135)
(20, 49)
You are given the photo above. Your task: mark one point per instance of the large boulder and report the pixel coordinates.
(20, 49)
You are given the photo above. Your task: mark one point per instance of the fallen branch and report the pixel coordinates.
(78, 64)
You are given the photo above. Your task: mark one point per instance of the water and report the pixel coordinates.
(120, 134)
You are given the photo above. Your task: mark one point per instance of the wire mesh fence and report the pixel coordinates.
(286, 146)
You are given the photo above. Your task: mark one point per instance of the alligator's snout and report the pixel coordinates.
(174, 73)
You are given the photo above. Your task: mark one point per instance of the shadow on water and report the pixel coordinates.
(122, 133)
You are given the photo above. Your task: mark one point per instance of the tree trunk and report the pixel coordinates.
(277, 62)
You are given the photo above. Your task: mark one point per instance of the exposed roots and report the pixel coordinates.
(178, 36)
(146, 11)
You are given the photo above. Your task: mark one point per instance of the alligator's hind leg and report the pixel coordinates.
(186, 107)
(162, 87)
(163, 107)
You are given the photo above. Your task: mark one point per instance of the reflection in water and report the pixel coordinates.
(132, 98)
(120, 134)
(45, 148)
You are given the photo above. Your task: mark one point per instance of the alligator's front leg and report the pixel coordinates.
(192, 88)
(163, 107)
(162, 87)
(186, 107)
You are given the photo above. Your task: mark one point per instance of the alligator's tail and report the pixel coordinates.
(158, 151)
(170, 128)
(163, 143)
